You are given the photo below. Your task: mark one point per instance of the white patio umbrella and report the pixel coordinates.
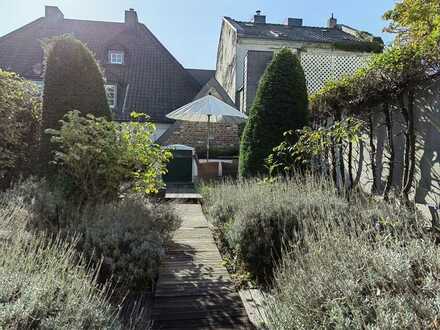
(208, 109)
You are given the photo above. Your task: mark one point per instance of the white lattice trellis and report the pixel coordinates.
(320, 68)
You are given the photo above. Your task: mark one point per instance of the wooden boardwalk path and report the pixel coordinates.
(194, 290)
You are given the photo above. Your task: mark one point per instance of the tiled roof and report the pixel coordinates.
(202, 76)
(151, 81)
(292, 33)
(214, 87)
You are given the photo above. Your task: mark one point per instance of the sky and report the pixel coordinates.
(190, 29)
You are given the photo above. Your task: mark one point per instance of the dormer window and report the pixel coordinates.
(112, 93)
(116, 57)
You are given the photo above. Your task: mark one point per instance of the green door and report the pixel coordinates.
(180, 167)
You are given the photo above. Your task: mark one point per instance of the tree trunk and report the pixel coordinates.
(407, 142)
(389, 126)
(373, 155)
(338, 117)
(350, 164)
(334, 164)
(412, 142)
(341, 163)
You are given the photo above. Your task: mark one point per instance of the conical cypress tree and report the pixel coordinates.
(281, 104)
(73, 81)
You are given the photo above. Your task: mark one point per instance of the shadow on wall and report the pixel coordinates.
(428, 132)
(427, 179)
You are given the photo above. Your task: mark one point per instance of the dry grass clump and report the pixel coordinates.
(345, 282)
(256, 219)
(332, 261)
(130, 235)
(43, 283)
(50, 280)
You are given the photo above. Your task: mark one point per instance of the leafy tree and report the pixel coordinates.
(72, 81)
(280, 105)
(415, 22)
(97, 156)
(20, 113)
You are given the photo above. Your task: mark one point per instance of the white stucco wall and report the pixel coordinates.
(320, 62)
(426, 189)
(226, 59)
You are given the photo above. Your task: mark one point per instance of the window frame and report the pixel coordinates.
(115, 95)
(114, 55)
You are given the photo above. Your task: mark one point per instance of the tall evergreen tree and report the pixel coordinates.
(73, 80)
(281, 104)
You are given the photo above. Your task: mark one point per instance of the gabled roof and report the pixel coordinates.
(213, 87)
(151, 81)
(202, 76)
(291, 33)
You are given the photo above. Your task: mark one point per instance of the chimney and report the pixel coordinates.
(53, 14)
(332, 22)
(131, 18)
(259, 19)
(294, 22)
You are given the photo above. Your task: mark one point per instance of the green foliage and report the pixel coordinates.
(344, 282)
(412, 60)
(130, 235)
(416, 22)
(256, 220)
(313, 144)
(72, 81)
(364, 46)
(20, 110)
(280, 105)
(43, 284)
(96, 156)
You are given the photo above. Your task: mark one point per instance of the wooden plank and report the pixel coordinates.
(182, 196)
(194, 290)
(213, 323)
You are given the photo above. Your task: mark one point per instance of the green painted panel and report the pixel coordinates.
(180, 167)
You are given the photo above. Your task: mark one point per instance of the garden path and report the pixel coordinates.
(194, 290)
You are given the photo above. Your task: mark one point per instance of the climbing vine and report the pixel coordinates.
(314, 146)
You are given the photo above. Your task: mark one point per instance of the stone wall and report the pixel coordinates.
(225, 138)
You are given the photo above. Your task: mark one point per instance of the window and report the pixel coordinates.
(116, 57)
(111, 92)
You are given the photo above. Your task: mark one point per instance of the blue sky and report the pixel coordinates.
(190, 28)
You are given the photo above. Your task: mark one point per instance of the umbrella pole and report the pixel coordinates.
(209, 137)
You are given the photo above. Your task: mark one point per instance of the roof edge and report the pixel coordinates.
(22, 28)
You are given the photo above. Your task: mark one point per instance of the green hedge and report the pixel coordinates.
(20, 113)
(72, 81)
(281, 104)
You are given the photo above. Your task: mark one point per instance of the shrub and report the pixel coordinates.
(347, 282)
(72, 81)
(96, 156)
(43, 285)
(257, 219)
(130, 236)
(20, 110)
(48, 210)
(280, 105)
